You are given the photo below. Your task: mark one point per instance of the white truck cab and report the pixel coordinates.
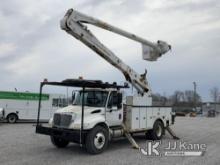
(100, 106)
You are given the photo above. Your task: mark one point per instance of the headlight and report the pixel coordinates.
(76, 126)
(50, 123)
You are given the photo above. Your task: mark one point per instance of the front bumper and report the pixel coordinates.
(66, 134)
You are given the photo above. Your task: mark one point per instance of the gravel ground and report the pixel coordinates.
(20, 145)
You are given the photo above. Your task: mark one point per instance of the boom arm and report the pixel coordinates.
(73, 23)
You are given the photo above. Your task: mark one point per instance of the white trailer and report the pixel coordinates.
(98, 114)
(23, 105)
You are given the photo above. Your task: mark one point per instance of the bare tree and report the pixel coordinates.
(177, 97)
(214, 92)
(185, 98)
(159, 99)
(189, 96)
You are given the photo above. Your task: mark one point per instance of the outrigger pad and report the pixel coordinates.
(172, 133)
(130, 138)
(176, 138)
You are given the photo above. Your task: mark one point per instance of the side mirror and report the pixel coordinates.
(119, 101)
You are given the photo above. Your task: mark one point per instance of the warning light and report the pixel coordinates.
(45, 80)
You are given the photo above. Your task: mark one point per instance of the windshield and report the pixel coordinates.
(92, 98)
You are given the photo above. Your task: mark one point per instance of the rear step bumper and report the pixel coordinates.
(66, 134)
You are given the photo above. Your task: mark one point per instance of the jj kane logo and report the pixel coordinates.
(173, 148)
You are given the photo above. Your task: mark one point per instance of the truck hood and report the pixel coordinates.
(78, 109)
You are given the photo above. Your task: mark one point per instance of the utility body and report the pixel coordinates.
(99, 113)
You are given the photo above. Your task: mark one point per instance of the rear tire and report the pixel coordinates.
(58, 142)
(12, 118)
(97, 140)
(157, 132)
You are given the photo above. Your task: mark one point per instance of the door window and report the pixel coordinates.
(113, 100)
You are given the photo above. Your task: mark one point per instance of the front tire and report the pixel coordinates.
(12, 118)
(157, 132)
(97, 140)
(58, 142)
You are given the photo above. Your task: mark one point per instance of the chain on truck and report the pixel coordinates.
(98, 113)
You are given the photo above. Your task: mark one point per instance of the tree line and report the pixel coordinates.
(185, 98)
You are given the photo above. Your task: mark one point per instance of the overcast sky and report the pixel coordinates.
(33, 47)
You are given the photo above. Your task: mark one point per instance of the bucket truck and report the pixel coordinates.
(98, 113)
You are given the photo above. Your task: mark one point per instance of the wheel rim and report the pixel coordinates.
(99, 140)
(159, 130)
(12, 119)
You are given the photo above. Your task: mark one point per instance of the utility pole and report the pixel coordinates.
(194, 97)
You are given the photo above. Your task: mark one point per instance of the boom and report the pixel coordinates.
(74, 24)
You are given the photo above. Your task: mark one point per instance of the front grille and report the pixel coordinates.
(62, 120)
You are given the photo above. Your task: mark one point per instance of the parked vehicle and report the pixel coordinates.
(23, 105)
(211, 113)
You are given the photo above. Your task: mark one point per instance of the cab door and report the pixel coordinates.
(114, 112)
